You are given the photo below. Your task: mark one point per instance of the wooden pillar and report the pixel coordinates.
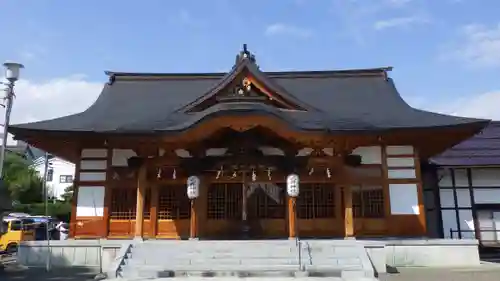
(107, 192)
(348, 212)
(292, 217)
(192, 223)
(74, 201)
(141, 192)
(155, 196)
(201, 208)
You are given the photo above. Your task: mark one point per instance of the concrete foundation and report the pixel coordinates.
(383, 253)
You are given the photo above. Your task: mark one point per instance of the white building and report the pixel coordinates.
(60, 174)
(468, 177)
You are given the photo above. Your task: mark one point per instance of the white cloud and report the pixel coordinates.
(399, 22)
(478, 45)
(484, 105)
(285, 29)
(36, 101)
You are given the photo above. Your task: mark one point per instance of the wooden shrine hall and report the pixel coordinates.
(248, 154)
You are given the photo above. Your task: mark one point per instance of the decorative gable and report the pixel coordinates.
(246, 83)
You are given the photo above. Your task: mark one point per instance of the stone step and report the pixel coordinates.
(284, 271)
(155, 259)
(221, 249)
(209, 254)
(208, 271)
(200, 260)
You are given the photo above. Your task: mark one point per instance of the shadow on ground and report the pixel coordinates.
(39, 274)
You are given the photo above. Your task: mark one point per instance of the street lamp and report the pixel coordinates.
(193, 191)
(12, 70)
(11, 74)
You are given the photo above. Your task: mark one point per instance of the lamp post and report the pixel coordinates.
(12, 70)
(46, 205)
(292, 189)
(12, 75)
(193, 191)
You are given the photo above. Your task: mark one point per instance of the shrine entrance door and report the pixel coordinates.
(255, 210)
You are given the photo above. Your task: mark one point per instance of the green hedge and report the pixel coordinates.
(59, 210)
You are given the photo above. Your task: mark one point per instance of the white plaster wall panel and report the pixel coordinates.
(267, 150)
(446, 197)
(487, 195)
(93, 165)
(90, 201)
(444, 176)
(449, 222)
(94, 153)
(305, 151)
(463, 198)
(399, 150)
(328, 151)
(369, 154)
(406, 199)
(461, 178)
(466, 224)
(92, 176)
(120, 157)
(401, 162)
(183, 153)
(486, 177)
(401, 174)
(215, 151)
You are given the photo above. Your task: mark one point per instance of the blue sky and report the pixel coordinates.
(445, 53)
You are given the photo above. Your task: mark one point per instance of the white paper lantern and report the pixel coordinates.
(193, 187)
(292, 185)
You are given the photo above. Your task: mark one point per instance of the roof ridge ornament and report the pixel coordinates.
(245, 54)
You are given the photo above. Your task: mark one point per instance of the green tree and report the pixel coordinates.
(68, 194)
(23, 182)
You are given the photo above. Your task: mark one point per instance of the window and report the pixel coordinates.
(316, 201)
(66, 179)
(28, 224)
(368, 201)
(15, 225)
(50, 175)
(225, 201)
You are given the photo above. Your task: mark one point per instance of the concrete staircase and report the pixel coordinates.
(251, 258)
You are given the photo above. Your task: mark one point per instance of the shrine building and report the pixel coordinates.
(352, 145)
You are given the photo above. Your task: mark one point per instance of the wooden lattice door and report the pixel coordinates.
(123, 211)
(319, 210)
(224, 209)
(266, 208)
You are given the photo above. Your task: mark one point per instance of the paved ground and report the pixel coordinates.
(39, 274)
(483, 273)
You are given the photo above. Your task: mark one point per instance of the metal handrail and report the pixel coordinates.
(456, 231)
(298, 243)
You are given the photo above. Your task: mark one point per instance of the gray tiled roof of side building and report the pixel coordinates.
(483, 149)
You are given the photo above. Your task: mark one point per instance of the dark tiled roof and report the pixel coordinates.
(482, 149)
(356, 100)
